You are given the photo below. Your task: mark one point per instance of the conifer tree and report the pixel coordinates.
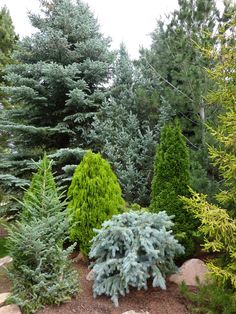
(126, 142)
(56, 87)
(170, 181)
(94, 196)
(7, 43)
(218, 223)
(41, 272)
(173, 75)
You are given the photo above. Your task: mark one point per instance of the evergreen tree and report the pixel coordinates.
(173, 75)
(218, 223)
(94, 196)
(56, 87)
(131, 248)
(129, 148)
(41, 273)
(170, 180)
(7, 43)
(127, 143)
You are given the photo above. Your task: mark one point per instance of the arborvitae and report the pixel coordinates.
(94, 196)
(57, 85)
(41, 273)
(131, 248)
(170, 181)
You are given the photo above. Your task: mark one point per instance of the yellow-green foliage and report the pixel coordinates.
(218, 224)
(219, 231)
(94, 196)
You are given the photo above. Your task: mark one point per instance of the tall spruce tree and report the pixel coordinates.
(174, 76)
(56, 86)
(122, 138)
(170, 181)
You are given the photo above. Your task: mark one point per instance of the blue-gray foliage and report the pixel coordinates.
(131, 248)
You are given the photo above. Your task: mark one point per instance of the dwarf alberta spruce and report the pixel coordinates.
(129, 249)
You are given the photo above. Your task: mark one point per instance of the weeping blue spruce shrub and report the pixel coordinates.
(131, 248)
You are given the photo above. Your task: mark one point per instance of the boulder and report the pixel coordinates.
(189, 272)
(3, 297)
(90, 276)
(5, 260)
(10, 309)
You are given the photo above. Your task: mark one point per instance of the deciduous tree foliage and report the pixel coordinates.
(94, 196)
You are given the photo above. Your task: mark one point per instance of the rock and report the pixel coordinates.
(10, 309)
(189, 271)
(90, 276)
(5, 260)
(133, 312)
(79, 258)
(3, 297)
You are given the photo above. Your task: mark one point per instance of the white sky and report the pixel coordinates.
(130, 21)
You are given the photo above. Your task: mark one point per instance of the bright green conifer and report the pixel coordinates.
(94, 196)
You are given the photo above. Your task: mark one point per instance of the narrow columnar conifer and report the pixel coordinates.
(171, 180)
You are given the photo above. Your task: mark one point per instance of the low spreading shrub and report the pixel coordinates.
(131, 248)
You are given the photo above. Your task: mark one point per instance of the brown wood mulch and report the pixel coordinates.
(153, 300)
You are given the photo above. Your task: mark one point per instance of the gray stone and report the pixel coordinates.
(90, 276)
(3, 297)
(10, 309)
(5, 260)
(189, 272)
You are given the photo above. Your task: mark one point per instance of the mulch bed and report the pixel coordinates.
(154, 300)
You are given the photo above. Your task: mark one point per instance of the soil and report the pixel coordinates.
(154, 300)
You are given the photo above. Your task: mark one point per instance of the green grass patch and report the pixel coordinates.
(3, 250)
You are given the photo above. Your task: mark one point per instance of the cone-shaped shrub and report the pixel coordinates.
(41, 272)
(170, 181)
(94, 196)
(131, 248)
(41, 191)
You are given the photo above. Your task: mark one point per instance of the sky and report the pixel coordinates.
(128, 21)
